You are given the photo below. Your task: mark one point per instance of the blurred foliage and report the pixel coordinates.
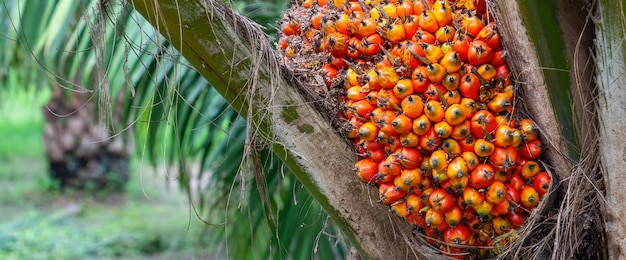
(179, 119)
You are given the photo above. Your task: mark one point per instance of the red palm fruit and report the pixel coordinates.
(516, 219)
(389, 194)
(504, 159)
(458, 235)
(501, 225)
(434, 91)
(455, 115)
(502, 72)
(503, 207)
(354, 124)
(363, 108)
(445, 34)
(419, 7)
(498, 58)
(403, 88)
(490, 35)
(483, 122)
(461, 45)
(457, 168)
(467, 144)
(429, 141)
(479, 53)
(451, 81)
(469, 87)
(471, 160)
(528, 169)
(434, 111)
(419, 79)
(383, 177)
(368, 131)
(366, 169)
(422, 36)
(461, 131)
(472, 197)
(512, 194)
(411, 25)
(451, 147)
(402, 124)
(496, 192)
(421, 125)
(442, 129)
(412, 106)
(417, 220)
(411, 54)
(409, 139)
(482, 176)
(391, 165)
(432, 236)
(472, 24)
(441, 201)
(376, 155)
(529, 129)
(371, 45)
(541, 183)
(529, 197)
(409, 158)
(483, 148)
(531, 150)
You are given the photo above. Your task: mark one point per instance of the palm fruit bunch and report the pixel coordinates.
(427, 100)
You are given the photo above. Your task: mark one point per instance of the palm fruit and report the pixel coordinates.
(425, 94)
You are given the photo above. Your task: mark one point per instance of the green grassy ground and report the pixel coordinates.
(37, 221)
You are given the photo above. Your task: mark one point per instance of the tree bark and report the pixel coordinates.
(611, 55)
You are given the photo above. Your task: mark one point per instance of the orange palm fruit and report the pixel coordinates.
(529, 129)
(368, 131)
(421, 125)
(459, 184)
(409, 139)
(457, 168)
(445, 33)
(487, 72)
(435, 72)
(419, 79)
(496, 192)
(402, 124)
(439, 160)
(428, 22)
(451, 147)
(451, 80)
(434, 111)
(389, 194)
(412, 106)
(501, 225)
(461, 131)
(442, 12)
(399, 208)
(409, 178)
(455, 115)
(529, 197)
(471, 159)
(454, 216)
(442, 129)
(528, 169)
(414, 203)
(472, 197)
(483, 148)
(403, 88)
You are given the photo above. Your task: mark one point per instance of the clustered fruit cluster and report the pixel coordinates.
(429, 105)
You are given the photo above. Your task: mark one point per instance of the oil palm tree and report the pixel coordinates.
(551, 55)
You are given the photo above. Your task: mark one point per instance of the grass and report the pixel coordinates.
(38, 221)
